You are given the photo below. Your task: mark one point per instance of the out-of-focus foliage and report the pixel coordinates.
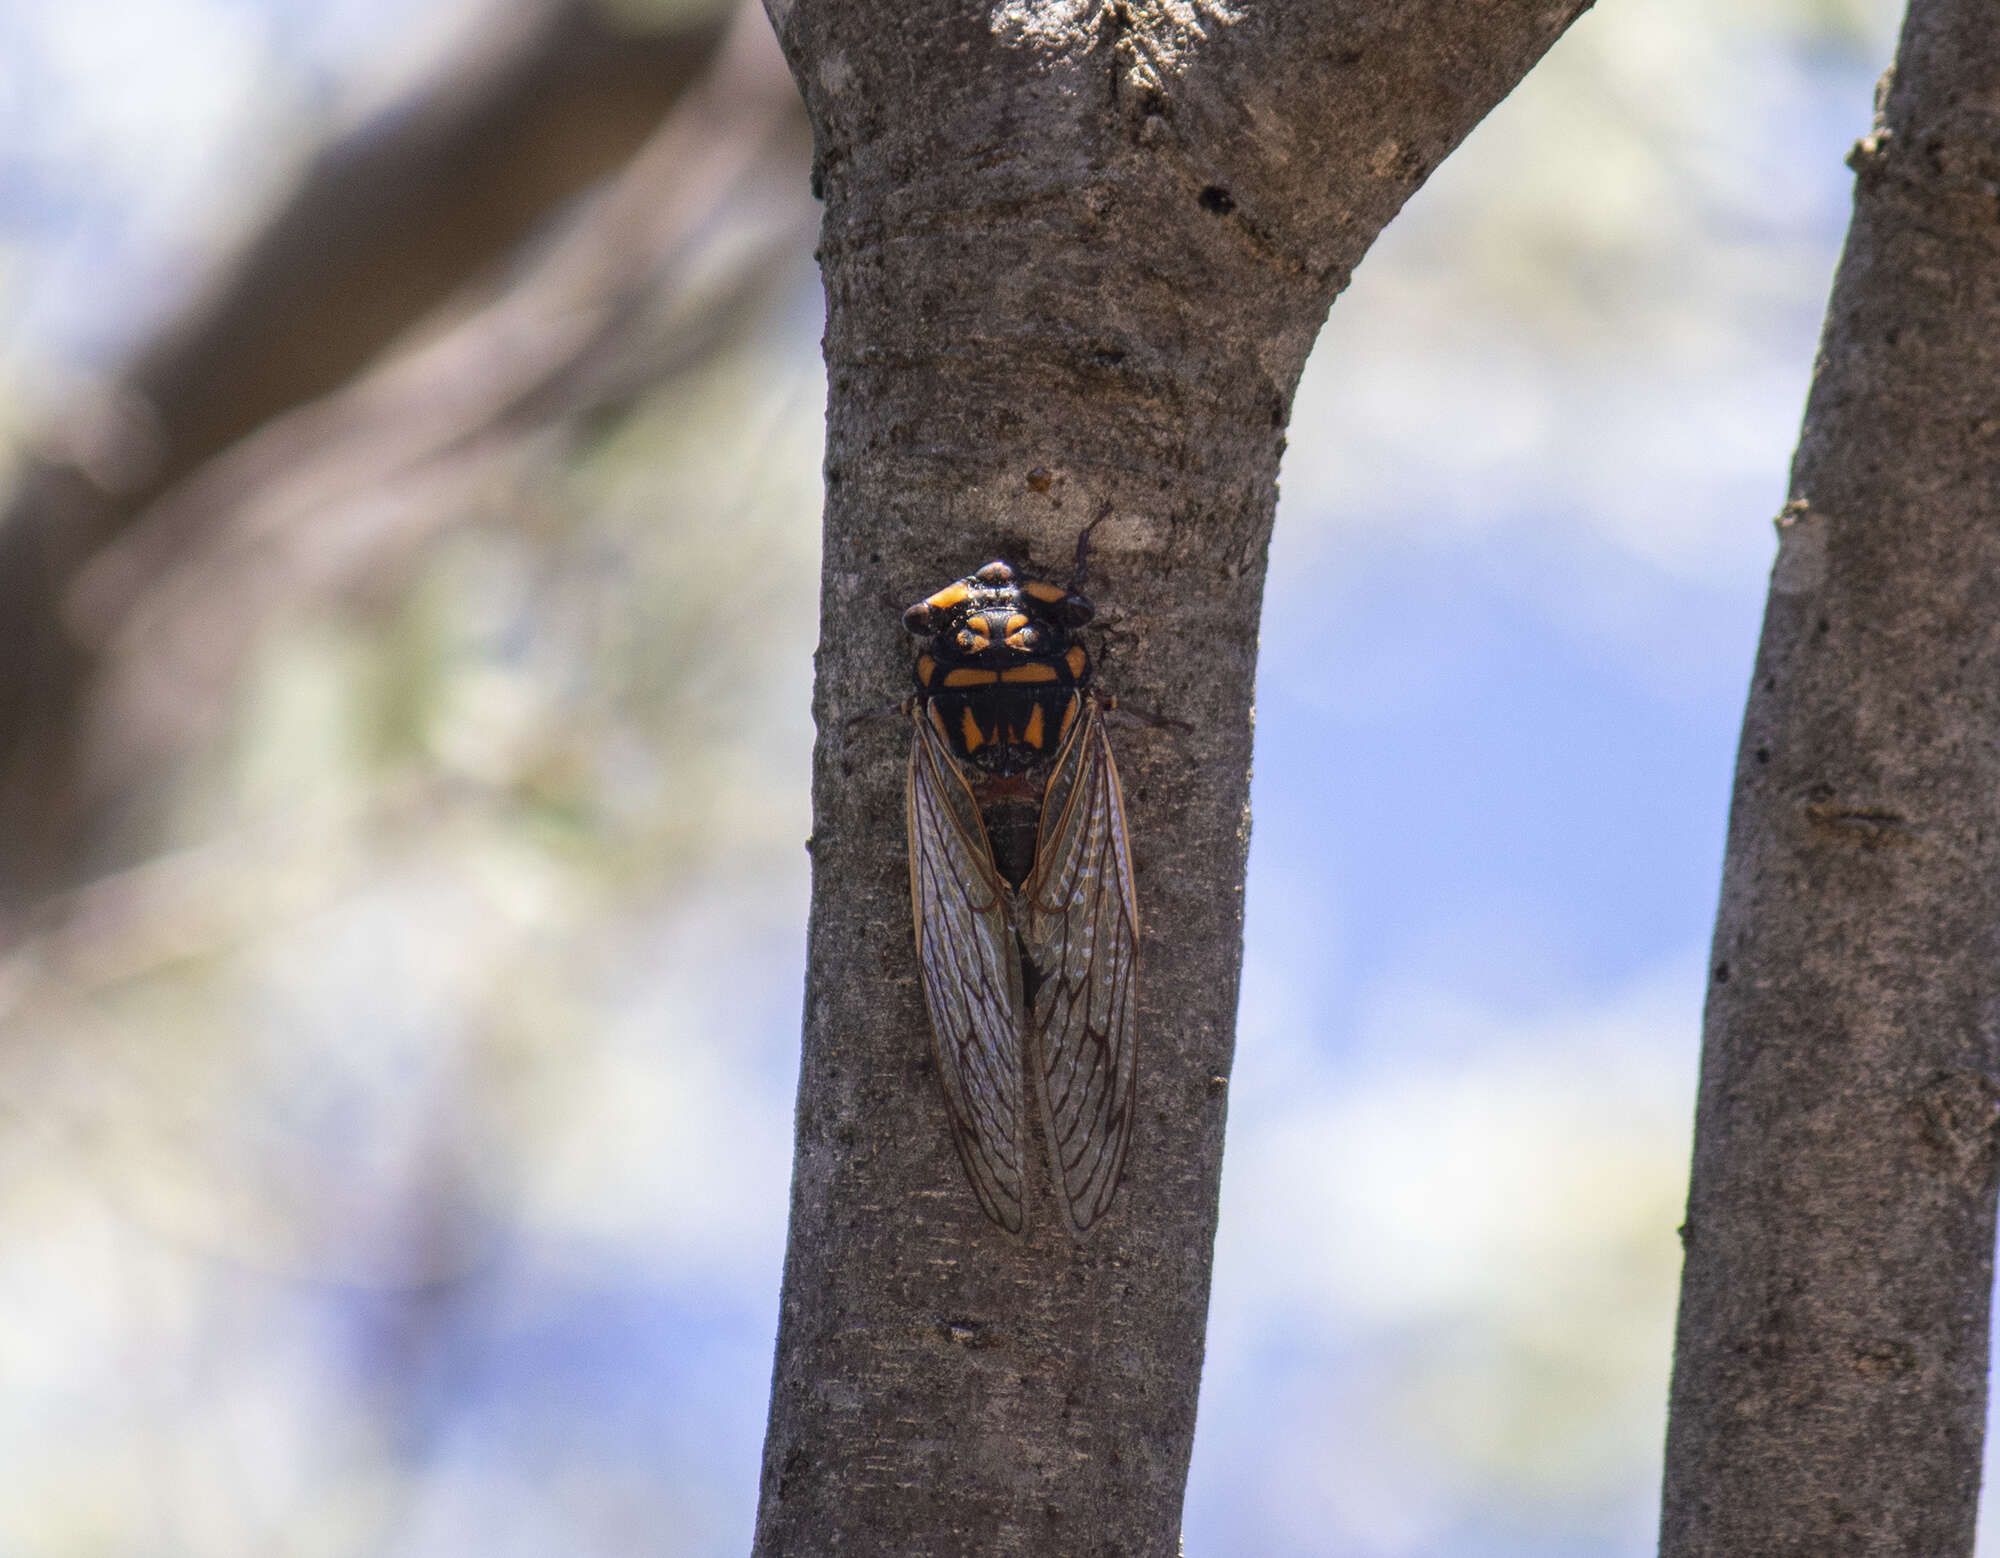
(397, 1159)
(137, 141)
(448, 1015)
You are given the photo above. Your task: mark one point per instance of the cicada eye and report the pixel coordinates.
(918, 619)
(995, 572)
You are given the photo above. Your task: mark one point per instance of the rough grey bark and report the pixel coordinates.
(1830, 1378)
(1075, 254)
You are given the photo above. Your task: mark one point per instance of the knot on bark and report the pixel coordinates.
(1151, 40)
(1861, 825)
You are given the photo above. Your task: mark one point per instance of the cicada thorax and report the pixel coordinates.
(1001, 681)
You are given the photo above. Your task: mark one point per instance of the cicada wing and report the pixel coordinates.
(1081, 932)
(971, 970)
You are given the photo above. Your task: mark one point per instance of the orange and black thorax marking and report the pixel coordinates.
(1002, 673)
(1001, 680)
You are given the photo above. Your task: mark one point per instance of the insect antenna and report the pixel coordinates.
(1081, 567)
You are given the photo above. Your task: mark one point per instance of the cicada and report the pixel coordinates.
(1027, 925)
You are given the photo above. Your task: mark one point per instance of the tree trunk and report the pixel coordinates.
(1074, 255)
(1830, 1377)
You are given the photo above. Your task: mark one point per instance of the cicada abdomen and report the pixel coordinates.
(1027, 926)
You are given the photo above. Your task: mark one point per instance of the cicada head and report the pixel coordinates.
(1000, 615)
(1003, 668)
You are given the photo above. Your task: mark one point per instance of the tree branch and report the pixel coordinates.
(1075, 255)
(1830, 1375)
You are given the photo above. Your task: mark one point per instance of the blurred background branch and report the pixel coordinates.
(646, 279)
(429, 197)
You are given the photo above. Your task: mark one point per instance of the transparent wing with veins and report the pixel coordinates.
(971, 970)
(1081, 933)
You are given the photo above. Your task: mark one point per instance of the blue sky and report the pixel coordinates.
(1514, 596)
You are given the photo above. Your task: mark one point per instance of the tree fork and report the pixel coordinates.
(1074, 258)
(1830, 1374)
